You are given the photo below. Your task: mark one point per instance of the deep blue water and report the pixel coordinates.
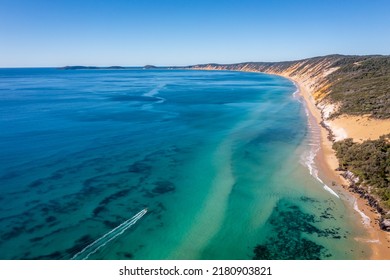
(214, 157)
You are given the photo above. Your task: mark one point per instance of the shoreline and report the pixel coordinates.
(327, 162)
(377, 239)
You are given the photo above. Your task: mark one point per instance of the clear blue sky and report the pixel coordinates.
(181, 32)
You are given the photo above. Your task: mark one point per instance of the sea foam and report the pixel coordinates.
(308, 157)
(365, 219)
(331, 191)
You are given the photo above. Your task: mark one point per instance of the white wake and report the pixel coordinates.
(109, 236)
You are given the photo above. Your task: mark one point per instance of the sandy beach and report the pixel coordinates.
(327, 162)
(310, 84)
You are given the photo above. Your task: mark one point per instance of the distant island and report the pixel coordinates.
(150, 67)
(92, 68)
(350, 97)
(80, 67)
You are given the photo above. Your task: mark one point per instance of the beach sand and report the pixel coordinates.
(359, 128)
(327, 162)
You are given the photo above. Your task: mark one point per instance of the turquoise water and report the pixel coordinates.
(217, 161)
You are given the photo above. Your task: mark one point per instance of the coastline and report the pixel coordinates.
(327, 162)
(377, 239)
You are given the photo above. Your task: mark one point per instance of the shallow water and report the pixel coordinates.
(219, 159)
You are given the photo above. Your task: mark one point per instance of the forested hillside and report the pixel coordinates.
(348, 86)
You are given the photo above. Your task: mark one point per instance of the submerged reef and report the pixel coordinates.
(291, 232)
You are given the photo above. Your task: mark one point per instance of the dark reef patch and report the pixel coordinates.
(163, 187)
(36, 183)
(125, 255)
(128, 255)
(79, 244)
(308, 199)
(99, 210)
(114, 190)
(110, 224)
(36, 239)
(326, 214)
(34, 228)
(139, 167)
(53, 256)
(303, 249)
(50, 219)
(293, 228)
(56, 176)
(115, 196)
(102, 207)
(9, 175)
(13, 232)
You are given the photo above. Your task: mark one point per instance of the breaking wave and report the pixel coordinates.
(308, 157)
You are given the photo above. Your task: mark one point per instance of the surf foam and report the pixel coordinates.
(309, 156)
(365, 219)
(331, 191)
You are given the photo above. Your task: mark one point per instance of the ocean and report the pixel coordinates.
(164, 164)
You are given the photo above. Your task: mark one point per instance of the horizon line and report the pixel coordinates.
(186, 65)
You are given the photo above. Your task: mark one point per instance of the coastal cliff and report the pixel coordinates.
(340, 85)
(352, 96)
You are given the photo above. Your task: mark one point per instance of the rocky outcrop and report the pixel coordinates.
(351, 177)
(385, 224)
(372, 200)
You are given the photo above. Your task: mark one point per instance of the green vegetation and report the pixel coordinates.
(370, 161)
(362, 85)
